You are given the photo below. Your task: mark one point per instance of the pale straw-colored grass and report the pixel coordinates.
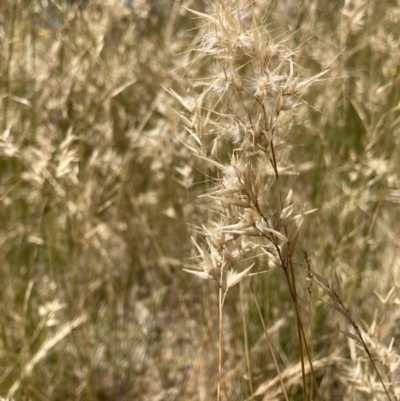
(139, 139)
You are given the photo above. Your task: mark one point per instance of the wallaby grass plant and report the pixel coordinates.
(246, 101)
(119, 167)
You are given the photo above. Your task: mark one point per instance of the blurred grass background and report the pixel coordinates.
(99, 197)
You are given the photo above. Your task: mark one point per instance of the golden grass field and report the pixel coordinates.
(200, 200)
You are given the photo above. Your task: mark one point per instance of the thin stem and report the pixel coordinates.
(220, 304)
(269, 341)
(246, 340)
(298, 319)
(296, 305)
(300, 324)
(363, 343)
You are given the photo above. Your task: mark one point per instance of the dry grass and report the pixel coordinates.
(179, 134)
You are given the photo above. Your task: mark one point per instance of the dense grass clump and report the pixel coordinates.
(252, 144)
